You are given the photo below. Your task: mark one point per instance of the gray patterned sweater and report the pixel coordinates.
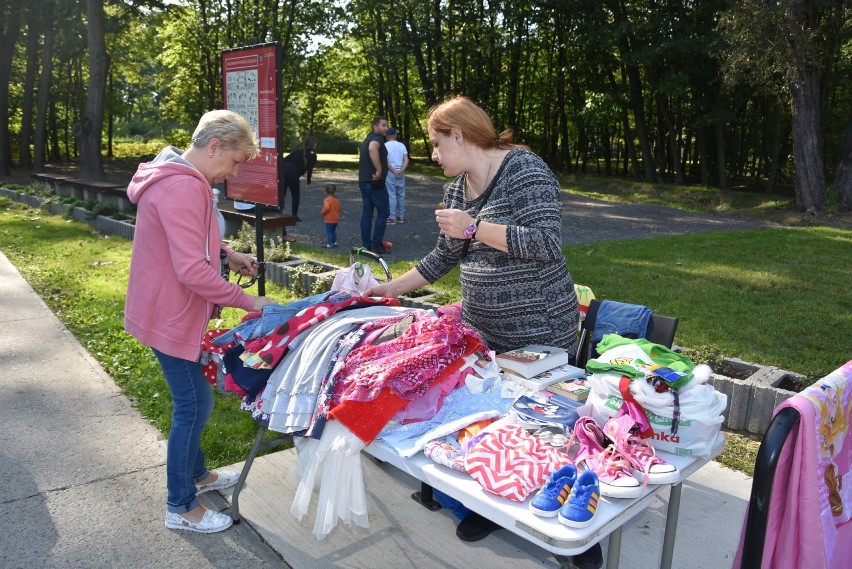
(525, 296)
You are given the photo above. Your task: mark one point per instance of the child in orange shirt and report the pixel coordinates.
(331, 214)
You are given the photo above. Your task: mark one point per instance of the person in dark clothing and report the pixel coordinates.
(294, 166)
(372, 172)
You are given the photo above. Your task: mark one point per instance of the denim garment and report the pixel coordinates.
(373, 198)
(396, 196)
(626, 320)
(331, 233)
(274, 315)
(192, 407)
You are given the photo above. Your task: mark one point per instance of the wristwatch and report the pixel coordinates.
(470, 232)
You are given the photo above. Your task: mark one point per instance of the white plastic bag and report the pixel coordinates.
(699, 425)
(356, 279)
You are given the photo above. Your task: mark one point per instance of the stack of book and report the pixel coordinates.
(538, 367)
(574, 389)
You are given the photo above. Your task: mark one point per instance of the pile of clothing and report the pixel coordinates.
(341, 370)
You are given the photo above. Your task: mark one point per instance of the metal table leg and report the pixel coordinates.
(613, 554)
(258, 446)
(235, 497)
(425, 498)
(671, 526)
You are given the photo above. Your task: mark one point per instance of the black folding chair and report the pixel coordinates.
(661, 330)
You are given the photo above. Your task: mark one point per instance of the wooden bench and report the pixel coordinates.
(110, 193)
(49, 178)
(67, 185)
(234, 219)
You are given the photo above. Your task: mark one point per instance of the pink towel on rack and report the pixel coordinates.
(811, 504)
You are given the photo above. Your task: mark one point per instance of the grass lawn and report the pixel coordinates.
(776, 296)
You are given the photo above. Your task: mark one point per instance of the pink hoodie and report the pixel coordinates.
(174, 279)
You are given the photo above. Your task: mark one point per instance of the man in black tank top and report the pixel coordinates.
(372, 171)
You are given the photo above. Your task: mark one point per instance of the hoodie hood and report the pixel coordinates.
(168, 162)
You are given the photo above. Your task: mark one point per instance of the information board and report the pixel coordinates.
(251, 84)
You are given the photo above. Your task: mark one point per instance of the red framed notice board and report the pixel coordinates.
(251, 83)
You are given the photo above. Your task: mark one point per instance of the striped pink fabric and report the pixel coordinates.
(512, 463)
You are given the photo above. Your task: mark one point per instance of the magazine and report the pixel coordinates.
(539, 411)
(542, 380)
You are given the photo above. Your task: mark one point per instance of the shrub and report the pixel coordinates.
(107, 210)
(274, 250)
(178, 137)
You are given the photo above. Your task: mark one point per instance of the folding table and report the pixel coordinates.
(548, 533)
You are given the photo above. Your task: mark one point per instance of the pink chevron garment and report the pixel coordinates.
(512, 463)
(811, 503)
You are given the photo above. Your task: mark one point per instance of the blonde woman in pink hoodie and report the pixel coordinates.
(175, 286)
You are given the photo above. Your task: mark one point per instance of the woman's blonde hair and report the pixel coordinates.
(474, 123)
(232, 130)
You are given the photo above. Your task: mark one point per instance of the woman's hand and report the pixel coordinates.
(242, 263)
(384, 290)
(260, 302)
(453, 222)
(399, 286)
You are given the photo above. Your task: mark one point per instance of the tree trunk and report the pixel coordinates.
(810, 174)
(40, 142)
(427, 82)
(437, 46)
(774, 149)
(671, 138)
(33, 30)
(88, 131)
(842, 183)
(514, 74)
(8, 36)
(720, 156)
(703, 170)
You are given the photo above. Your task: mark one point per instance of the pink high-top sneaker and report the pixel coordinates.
(645, 464)
(594, 452)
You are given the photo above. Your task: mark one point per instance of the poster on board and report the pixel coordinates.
(250, 86)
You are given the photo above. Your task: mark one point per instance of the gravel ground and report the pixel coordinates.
(584, 220)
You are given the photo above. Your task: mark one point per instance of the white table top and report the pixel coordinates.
(515, 516)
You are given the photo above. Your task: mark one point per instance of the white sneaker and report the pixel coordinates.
(210, 523)
(224, 479)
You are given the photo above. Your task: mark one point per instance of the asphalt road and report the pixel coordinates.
(584, 220)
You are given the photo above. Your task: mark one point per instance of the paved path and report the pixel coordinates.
(584, 220)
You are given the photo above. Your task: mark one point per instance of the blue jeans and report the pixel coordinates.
(331, 233)
(627, 320)
(373, 198)
(191, 409)
(396, 195)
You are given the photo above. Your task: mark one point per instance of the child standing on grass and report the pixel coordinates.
(331, 214)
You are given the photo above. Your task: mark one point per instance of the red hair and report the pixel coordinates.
(474, 123)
